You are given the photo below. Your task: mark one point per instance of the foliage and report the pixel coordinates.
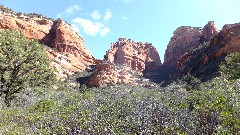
(231, 67)
(187, 106)
(190, 82)
(123, 109)
(23, 64)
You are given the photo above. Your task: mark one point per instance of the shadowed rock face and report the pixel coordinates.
(71, 54)
(137, 55)
(204, 62)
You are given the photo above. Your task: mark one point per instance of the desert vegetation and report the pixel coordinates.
(186, 106)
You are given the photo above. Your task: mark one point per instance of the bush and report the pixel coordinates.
(231, 67)
(23, 64)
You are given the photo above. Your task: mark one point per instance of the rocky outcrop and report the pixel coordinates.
(70, 53)
(65, 40)
(107, 74)
(186, 39)
(204, 62)
(210, 30)
(32, 28)
(226, 42)
(137, 55)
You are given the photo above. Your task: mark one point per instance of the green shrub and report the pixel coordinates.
(231, 67)
(23, 64)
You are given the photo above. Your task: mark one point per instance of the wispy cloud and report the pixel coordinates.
(69, 10)
(89, 27)
(75, 28)
(72, 9)
(104, 31)
(96, 15)
(124, 17)
(108, 15)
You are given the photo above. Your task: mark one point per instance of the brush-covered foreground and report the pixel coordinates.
(211, 108)
(28, 105)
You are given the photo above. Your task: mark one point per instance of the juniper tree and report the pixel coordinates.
(23, 64)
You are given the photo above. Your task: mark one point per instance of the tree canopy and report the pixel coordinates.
(23, 64)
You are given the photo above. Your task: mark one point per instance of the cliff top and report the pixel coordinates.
(32, 16)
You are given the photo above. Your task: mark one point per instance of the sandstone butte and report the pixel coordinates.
(71, 54)
(137, 55)
(124, 62)
(185, 39)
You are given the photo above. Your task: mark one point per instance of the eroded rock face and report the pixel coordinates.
(186, 39)
(107, 74)
(227, 41)
(63, 38)
(210, 30)
(32, 28)
(71, 54)
(204, 63)
(137, 55)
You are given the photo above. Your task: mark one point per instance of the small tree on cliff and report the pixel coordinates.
(231, 67)
(23, 64)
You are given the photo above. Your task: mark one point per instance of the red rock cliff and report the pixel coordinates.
(204, 62)
(72, 55)
(185, 39)
(107, 73)
(137, 55)
(210, 30)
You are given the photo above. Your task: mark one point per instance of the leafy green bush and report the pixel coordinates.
(123, 109)
(231, 67)
(23, 64)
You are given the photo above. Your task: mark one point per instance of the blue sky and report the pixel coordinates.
(101, 22)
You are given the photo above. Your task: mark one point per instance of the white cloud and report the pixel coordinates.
(89, 27)
(104, 31)
(95, 15)
(124, 17)
(108, 15)
(75, 28)
(72, 9)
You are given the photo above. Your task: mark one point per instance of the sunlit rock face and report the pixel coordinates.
(108, 74)
(187, 38)
(210, 30)
(184, 39)
(137, 55)
(69, 53)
